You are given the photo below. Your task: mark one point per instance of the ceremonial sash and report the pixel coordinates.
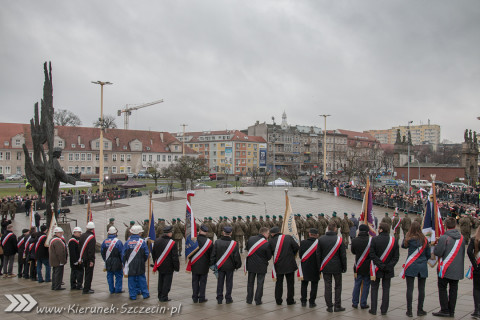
(199, 254)
(4, 242)
(412, 258)
(19, 244)
(397, 225)
(362, 258)
(383, 257)
(63, 243)
(469, 274)
(164, 254)
(306, 255)
(27, 247)
(38, 242)
(227, 254)
(252, 250)
(90, 237)
(132, 255)
(332, 252)
(445, 264)
(74, 240)
(110, 249)
(276, 255)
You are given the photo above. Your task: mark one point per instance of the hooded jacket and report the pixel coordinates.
(444, 247)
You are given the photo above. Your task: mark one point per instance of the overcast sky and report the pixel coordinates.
(225, 64)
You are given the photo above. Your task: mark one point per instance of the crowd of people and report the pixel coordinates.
(322, 245)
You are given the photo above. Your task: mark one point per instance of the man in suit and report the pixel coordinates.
(87, 255)
(332, 259)
(226, 259)
(198, 264)
(256, 263)
(309, 269)
(58, 258)
(76, 269)
(384, 246)
(361, 268)
(165, 256)
(284, 248)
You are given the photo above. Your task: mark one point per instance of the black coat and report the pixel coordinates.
(202, 265)
(233, 262)
(258, 261)
(471, 256)
(41, 252)
(73, 251)
(286, 261)
(377, 247)
(137, 265)
(10, 246)
(310, 267)
(358, 247)
(21, 247)
(338, 263)
(89, 252)
(171, 262)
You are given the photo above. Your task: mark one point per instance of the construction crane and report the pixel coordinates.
(127, 111)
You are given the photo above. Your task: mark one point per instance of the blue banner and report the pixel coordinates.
(263, 157)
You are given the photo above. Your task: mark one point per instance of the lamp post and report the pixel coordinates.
(408, 160)
(100, 171)
(325, 147)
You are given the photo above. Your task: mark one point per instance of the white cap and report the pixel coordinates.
(136, 229)
(90, 225)
(77, 229)
(112, 230)
(57, 229)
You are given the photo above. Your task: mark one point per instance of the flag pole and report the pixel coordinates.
(435, 207)
(149, 241)
(286, 208)
(88, 210)
(365, 208)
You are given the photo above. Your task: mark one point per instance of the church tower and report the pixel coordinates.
(284, 121)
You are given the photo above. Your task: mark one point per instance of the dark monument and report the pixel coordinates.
(469, 158)
(45, 167)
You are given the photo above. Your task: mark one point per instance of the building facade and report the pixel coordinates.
(227, 151)
(125, 151)
(420, 134)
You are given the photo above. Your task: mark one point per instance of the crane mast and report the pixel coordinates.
(127, 111)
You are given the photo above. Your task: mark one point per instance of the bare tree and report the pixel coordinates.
(187, 168)
(108, 122)
(155, 171)
(62, 117)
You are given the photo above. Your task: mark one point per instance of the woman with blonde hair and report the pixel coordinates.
(416, 266)
(473, 252)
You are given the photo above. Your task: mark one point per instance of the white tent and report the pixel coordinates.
(78, 184)
(279, 182)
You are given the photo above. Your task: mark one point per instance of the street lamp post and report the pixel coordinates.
(408, 160)
(102, 128)
(325, 147)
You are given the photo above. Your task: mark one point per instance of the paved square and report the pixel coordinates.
(215, 202)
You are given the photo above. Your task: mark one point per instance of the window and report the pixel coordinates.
(17, 142)
(70, 169)
(158, 158)
(97, 156)
(164, 158)
(214, 153)
(77, 156)
(60, 143)
(7, 156)
(89, 157)
(1, 155)
(105, 145)
(169, 158)
(73, 145)
(89, 169)
(176, 158)
(122, 169)
(82, 169)
(150, 157)
(76, 169)
(19, 170)
(222, 145)
(129, 169)
(129, 157)
(105, 157)
(176, 148)
(144, 157)
(62, 157)
(97, 144)
(105, 170)
(83, 156)
(19, 156)
(114, 169)
(222, 153)
(114, 157)
(70, 157)
(122, 157)
(7, 170)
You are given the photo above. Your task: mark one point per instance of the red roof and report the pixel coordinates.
(355, 137)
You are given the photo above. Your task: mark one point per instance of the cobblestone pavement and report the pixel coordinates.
(215, 202)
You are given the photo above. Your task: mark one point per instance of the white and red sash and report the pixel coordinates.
(110, 249)
(469, 274)
(252, 250)
(38, 242)
(276, 255)
(56, 239)
(19, 244)
(132, 255)
(89, 238)
(412, 258)
(397, 225)
(164, 254)
(332, 252)
(4, 241)
(199, 254)
(445, 264)
(73, 240)
(306, 255)
(226, 255)
(383, 257)
(363, 257)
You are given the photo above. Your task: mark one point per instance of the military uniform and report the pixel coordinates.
(337, 220)
(388, 221)
(396, 233)
(262, 222)
(309, 224)
(178, 234)
(268, 222)
(12, 208)
(322, 225)
(127, 231)
(345, 230)
(465, 224)
(405, 224)
(239, 231)
(160, 227)
(254, 227)
(211, 228)
(299, 223)
(419, 219)
(4, 209)
(219, 227)
(246, 236)
(111, 223)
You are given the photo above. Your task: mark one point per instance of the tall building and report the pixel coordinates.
(125, 151)
(421, 134)
(227, 151)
